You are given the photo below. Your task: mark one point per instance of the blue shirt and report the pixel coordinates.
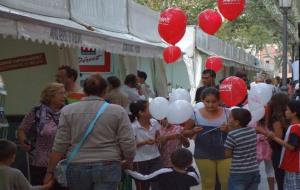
(210, 145)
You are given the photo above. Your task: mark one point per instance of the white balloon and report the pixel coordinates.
(233, 107)
(180, 94)
(179, 112)
(257, 115)
(246, 107)
(158, 108)
(199, 105)
(259, 95)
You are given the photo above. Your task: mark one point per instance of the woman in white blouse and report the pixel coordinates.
(146, 131)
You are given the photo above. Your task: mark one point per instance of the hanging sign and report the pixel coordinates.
(65, 36)
(22, 62)
(93, 60)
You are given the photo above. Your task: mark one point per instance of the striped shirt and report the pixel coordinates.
(242, 142)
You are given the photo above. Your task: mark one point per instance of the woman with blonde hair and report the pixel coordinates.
(38, 128)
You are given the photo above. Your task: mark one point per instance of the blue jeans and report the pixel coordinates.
(246, 181)
(94, 176)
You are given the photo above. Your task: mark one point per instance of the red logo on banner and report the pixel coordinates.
(92, 60)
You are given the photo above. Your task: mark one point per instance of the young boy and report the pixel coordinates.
(290, 160)
(241, 146)
(181, 177)
(11, 178)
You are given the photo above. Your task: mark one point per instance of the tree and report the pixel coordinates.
(191, 7)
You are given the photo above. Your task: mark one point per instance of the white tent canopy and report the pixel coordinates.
(108, 15)
(53, 8)
(97, 23)
(143, 22)
(212, 45)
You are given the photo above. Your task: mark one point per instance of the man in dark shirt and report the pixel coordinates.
(208, 80)
(181, 177)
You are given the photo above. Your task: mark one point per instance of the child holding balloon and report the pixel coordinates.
(173, 137)
(173, 133)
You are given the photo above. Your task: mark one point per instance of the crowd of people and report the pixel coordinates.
(125, 142)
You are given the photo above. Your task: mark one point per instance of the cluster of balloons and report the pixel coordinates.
(258, 97)
(210, 20)
(177, 110)
(171, 27)
(233, 91)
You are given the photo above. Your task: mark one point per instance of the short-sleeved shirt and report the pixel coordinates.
(209, 144)
(242, 142)
(44, 139)
(75, 96)
(146, 152)
(291, 158)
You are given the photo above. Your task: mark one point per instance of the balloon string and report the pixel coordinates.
(209, 131)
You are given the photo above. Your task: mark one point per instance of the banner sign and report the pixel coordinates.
(22, 62)
(65, 36)
(93, 60)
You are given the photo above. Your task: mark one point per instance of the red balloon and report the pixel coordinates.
(231, 9)
(214, 63)
(233, 91)
(172, 25)
(171, 54)
(209, 21)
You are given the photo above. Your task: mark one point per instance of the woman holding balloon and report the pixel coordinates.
(209, 145)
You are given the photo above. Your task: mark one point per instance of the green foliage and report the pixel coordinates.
(253, 29)
(191, 7)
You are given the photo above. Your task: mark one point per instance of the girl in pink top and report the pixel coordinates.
(173, 137)
(170, 140)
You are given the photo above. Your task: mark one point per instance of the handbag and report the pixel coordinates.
(61, 167)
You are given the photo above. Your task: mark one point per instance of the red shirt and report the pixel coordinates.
(291, 158)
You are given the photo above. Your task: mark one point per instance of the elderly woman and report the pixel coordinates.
(38, 128)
